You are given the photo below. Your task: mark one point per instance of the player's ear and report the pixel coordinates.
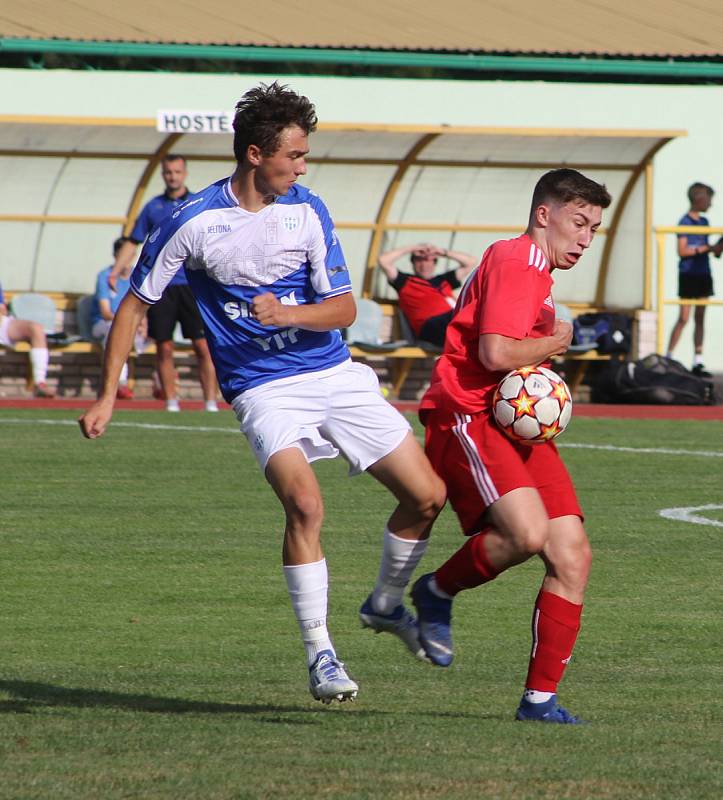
(542, 215)
(253, 154)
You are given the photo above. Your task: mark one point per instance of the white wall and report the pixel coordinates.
(697, 109)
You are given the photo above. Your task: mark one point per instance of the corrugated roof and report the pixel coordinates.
(645, 28)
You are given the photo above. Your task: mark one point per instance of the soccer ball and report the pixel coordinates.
(532, 405)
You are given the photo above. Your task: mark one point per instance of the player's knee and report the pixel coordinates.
(305, 509)
(434, 499)
(531, 538)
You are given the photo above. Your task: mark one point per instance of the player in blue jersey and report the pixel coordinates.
(268, 273)
(695, 280)
(177, 304)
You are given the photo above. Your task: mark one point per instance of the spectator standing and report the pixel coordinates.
(427, 300)
(177, 303)
(695, 280)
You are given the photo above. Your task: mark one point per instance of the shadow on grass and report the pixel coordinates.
(29, 696)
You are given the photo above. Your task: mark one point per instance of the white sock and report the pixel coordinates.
(399, 560)
(698, 359)
(308, 586)
(123, 374)
(211, 405)
(173, 405)
(39, 363)
(533, 696)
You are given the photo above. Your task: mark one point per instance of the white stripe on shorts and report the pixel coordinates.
(482, 478)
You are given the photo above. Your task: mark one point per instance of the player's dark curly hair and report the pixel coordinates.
(565, 185)
(264, 112)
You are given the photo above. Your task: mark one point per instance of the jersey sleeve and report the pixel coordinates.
(329, 273)
(510, 299)
(163, 254)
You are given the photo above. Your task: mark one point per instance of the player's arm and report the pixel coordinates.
(124, 258)
(334, 312)
(501, 353)
(120, 341)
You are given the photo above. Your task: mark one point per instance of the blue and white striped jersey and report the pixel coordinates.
(230, 255)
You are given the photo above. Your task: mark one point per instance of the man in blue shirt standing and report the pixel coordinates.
(177, 303)
(695, 281)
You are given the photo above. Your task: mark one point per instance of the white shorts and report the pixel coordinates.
(323, 413)
(5, 339)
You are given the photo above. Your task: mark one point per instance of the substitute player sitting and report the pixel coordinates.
(513, 500)
(269, 276)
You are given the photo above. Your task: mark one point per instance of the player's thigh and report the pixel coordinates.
(273, 418)
(188, 314)
(360, 422)
(292, 478)
(477, 463)
(407, 473)
(552, 480)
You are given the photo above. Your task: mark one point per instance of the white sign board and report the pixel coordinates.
(180, 121)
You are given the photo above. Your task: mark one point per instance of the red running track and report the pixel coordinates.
(581, 409)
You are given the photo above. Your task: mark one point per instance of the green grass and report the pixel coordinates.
(148, 649)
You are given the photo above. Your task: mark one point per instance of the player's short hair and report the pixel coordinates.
(173, 157)
(264, 112)
(118, 243)
(698, 188)
(567, 185)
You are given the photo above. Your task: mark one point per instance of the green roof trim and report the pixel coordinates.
(558, 65)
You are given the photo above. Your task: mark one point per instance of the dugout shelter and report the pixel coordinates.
(78, 182)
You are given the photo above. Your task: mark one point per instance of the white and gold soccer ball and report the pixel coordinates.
(532, 405)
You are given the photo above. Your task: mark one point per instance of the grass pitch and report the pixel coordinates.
(148, 649)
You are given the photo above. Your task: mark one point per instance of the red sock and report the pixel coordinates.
(555, 625)
(467, 568)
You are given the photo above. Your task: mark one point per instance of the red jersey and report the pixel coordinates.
(508, 294)
(423, 298)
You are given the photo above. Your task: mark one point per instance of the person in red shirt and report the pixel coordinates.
(513, 501)
(427, 300)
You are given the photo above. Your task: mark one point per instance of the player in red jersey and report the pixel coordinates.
(513, 501)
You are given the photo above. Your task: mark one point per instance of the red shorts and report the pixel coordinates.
(479, 465)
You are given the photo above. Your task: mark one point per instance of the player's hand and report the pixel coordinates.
(718, 248)
(268, 310)
(113, 281)
(95, 420)
(562, 334)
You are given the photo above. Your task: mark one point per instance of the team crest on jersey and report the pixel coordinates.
(549, 302)
(290, 223)
(156, 233)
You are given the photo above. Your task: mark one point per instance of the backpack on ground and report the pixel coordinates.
(654, 380)
(607, 331)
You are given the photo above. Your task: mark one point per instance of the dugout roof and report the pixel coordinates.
(386, 185)
(615, 27)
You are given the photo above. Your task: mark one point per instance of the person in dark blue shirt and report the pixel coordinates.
(177, 303)
(695, 281)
